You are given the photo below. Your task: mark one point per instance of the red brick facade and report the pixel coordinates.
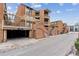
(1, 18)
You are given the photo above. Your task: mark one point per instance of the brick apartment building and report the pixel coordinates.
(40, 25)
(28, 22)
(58, 27)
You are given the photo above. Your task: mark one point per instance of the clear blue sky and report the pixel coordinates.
(67, 12)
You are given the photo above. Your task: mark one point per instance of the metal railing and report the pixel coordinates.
(11, 21)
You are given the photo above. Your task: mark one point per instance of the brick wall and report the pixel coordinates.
(20, 13)
(1, 18)
(1, 35)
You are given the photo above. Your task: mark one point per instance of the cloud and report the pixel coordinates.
(61, 4)
(9, 8)
(16, 7)
(69, 9)
(74, 4)
(58, 11)
(36, 5)
(11, 12)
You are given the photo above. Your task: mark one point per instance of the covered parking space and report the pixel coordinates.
(12, 34)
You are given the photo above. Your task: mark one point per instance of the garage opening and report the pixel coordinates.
(11, 34)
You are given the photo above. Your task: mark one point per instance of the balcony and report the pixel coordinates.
(37, 16)
(46, 16)
(46, 23)
(17, 22)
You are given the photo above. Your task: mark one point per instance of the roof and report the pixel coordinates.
(27, 6)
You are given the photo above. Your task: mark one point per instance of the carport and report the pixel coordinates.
(11, 34)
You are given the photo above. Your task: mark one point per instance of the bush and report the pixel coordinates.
(77, 39)
(77, 44)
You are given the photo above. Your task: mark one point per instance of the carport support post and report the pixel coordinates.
(5, 35)
(30, 34)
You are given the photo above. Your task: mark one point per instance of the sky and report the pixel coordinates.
(67, 12)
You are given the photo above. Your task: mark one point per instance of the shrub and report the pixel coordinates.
(77, 39)
(77, 44)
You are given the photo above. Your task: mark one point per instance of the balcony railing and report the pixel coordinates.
(11, 22)
(46, 16)
(46, 24)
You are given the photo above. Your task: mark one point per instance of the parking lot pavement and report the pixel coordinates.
(16, 43)
(52, 46)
